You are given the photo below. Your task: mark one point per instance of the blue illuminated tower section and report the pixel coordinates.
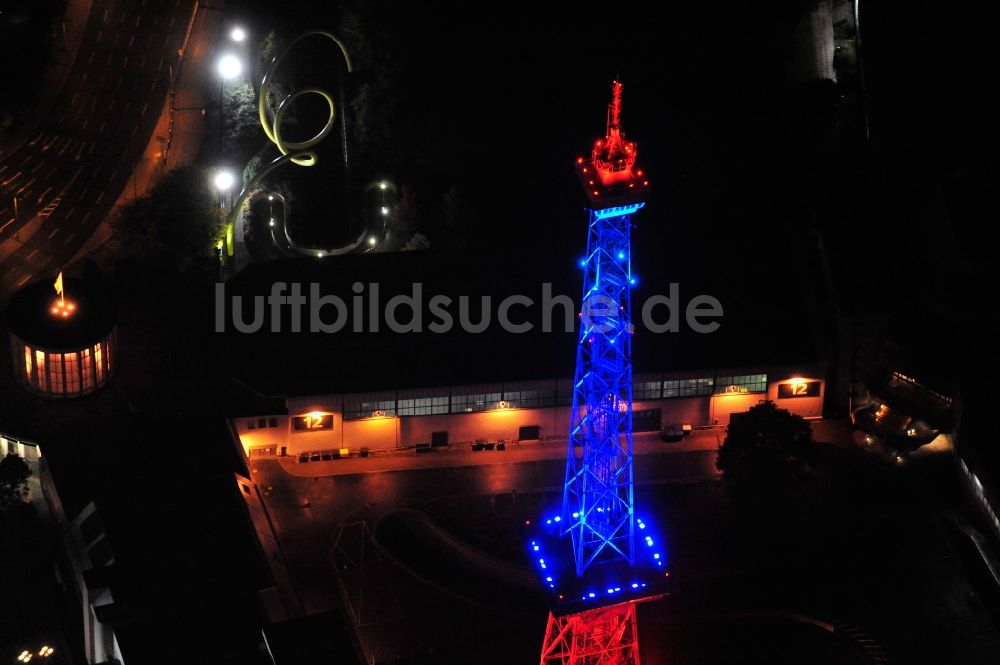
(598, 493)
(619, 560)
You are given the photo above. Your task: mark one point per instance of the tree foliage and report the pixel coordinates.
(456, 218)
(14, 474)
(767, 454)
(406, 215)
(417, 242)
(172, 230)
(240, 122)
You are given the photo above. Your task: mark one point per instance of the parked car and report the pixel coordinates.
(672, 433)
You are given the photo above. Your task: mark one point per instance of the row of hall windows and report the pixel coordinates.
(75, 373)
(460, 401)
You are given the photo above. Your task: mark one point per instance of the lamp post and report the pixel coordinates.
(223, 181)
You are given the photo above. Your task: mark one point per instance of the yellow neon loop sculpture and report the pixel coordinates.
(299, 153)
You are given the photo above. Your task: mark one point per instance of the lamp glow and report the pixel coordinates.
(229, 66)
(224, 180)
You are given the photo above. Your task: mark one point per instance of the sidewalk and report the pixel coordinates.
(180, 128)
(644, 443)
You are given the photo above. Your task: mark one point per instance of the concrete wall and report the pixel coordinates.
(677, 411)
(723, 406)
(490, 425)
(27, 451)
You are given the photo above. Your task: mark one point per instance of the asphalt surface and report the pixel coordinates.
(69, 173)
(307, 511)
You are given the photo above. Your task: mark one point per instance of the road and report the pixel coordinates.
(69, 173)
(306, 511)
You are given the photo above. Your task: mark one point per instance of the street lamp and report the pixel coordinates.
(229, 66)
(237, 34)
(224, 180)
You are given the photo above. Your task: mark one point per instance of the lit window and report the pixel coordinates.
(87, 370)
(745, 383)
(646, 390)
(687, 387)
(474, 402)
(366, 405)
(528, 399)
(72, 364)
(99, 362)
(40, 369)
(422, 406)
(56, 373)
(27, 363)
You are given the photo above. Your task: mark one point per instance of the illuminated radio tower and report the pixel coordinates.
(617, 559)
(597, 497)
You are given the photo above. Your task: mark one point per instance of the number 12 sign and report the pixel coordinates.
(798, 389)
(312, 422)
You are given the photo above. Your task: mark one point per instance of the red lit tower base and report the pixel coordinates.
(602, 636)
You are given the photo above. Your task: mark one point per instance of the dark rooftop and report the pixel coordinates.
(29, 314)
(185, 554)
(765, 322)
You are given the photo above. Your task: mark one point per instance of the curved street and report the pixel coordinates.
(57, 187)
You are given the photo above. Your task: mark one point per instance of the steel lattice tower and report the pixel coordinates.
(598, 492)
(604, 636)
(593, 620)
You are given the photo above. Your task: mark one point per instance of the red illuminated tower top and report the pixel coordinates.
(611, 176)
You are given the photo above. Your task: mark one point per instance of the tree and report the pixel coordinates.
(417, 242)
(456, 218)
(171, 232)
(405, 217)
(241, 122)
(270, 47)
(767, 454)
(14, 474)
